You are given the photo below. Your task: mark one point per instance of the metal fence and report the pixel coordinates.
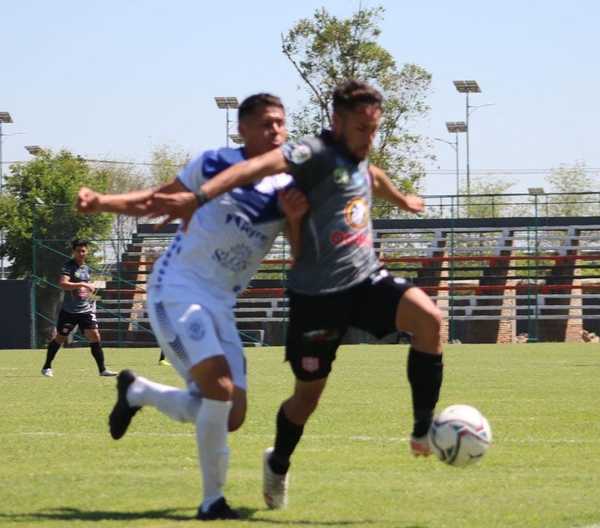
(458, 258)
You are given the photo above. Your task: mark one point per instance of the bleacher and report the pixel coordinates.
(492, 278)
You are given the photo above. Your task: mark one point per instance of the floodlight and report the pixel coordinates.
(467, 86)
(227, 102)
(456, 126)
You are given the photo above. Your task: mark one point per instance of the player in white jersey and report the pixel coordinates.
(193, 288)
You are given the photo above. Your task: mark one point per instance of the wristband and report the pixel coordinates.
(201, 197)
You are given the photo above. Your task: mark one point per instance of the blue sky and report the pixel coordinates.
(111, 79)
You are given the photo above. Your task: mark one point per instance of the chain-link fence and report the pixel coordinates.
(527, 266)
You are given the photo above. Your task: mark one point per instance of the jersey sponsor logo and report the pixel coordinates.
(246, 227)
(343, 238)
(310, 364)
(356, 213)
(300, 154)
(235, 258)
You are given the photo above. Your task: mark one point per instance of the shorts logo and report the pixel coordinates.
(195, 329)
(300, 154)
(310, 364)
(341, 176)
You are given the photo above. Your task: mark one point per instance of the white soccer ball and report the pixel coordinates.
(460, 435)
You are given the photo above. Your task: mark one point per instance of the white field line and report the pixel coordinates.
(356, 438)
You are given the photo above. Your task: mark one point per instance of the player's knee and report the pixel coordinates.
(237, 416)
(236, 420)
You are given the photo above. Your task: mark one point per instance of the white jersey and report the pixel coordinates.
(227, 238)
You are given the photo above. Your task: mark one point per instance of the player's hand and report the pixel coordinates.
(89, 286)
(420, 446)
(88, 201)
(293, 203)
(172, 206)
(414, 203)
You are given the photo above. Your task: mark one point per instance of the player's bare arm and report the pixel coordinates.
(183, 204)
(133, 203)
(294, 205)
(384, 188)
(65, 284)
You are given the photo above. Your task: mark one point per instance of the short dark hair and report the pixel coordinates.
(350, 94)
(79, 242)
(256, 101)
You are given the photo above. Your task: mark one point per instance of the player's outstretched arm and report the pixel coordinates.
(183, 204)
(133, 203)
(384, 188)
(65, 284)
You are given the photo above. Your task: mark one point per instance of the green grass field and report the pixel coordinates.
(61, 468)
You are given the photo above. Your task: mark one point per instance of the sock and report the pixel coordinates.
(179, 404)
(425, 373)
(286, 439)
(162, 355)
(211, 437)
(98, 354)
(53, 348)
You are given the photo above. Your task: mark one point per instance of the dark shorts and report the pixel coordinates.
(67, 321)
(318, 322)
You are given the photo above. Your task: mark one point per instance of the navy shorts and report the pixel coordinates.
(67, 321)
(318, 322)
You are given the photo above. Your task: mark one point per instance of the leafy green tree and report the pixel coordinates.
(570, 180)
(38, 203)
(326, 50)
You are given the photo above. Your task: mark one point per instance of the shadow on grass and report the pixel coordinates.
(247, 515)
(75, 514)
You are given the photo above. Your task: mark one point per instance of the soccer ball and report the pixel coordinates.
(460, 435)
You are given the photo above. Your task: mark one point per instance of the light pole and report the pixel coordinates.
(5, 117)
(456, 127)
(227, 103)
(467, 87)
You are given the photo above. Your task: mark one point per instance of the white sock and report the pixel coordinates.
(179, 404)
(211, 437)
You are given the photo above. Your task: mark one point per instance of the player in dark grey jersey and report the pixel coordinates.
(77, 309)
(337, 280)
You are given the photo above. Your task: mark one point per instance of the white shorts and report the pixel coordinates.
(189, 333)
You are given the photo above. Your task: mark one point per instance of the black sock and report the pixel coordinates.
(53, 347)
(425, 373)
(98, 356)
(287, 438)
(162, 355)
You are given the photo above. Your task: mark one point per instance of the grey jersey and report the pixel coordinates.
(337, 235)
(76, 301)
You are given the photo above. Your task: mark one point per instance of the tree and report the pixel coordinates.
(326, 50)
(38, 203)
(490, 203)
(120, 178)
(166, 162)
(572, 179)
